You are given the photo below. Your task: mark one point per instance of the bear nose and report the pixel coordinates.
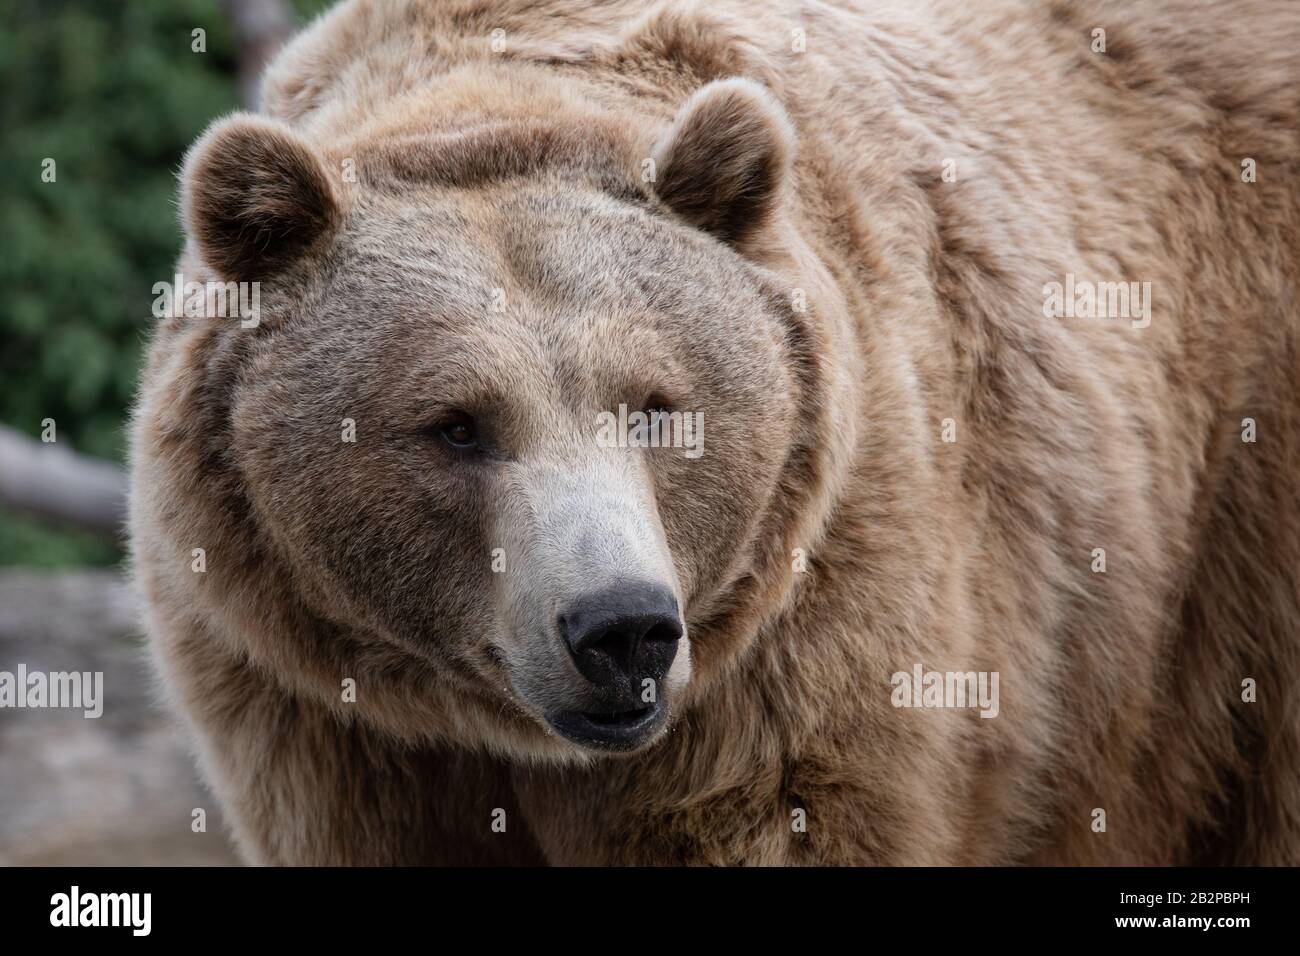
(621, 636)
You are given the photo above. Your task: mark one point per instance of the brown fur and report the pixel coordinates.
(521, 170)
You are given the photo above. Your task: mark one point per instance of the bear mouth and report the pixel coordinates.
(621, 730)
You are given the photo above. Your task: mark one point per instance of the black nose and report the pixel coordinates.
(622, 636)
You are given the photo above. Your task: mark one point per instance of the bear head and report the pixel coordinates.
(522, 405)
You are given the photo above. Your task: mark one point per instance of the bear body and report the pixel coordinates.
(870, 246)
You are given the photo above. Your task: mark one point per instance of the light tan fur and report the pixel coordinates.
(818, 175)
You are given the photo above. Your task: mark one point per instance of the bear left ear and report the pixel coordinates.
(721, 165)
(255, 196)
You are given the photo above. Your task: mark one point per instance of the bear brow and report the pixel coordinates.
(502, 150)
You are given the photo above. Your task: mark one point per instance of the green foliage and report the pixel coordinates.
(114, 94)
(32, 543)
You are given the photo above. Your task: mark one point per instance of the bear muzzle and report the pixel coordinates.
(623, 640)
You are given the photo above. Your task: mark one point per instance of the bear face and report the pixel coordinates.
(432, 424)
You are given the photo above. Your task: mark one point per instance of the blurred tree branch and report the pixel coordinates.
(54, 482)
(261, 27)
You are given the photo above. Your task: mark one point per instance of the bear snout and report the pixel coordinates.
(623, 640)
(623, 636)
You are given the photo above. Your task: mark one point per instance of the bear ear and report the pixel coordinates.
(721, 165)
(255, 196)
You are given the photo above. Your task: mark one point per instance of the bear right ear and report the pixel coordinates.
(255, 196)
(722, 164)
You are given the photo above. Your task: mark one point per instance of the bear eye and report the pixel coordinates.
(656, 403)
(459, 431)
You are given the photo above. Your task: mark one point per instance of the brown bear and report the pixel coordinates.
(742, 432)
